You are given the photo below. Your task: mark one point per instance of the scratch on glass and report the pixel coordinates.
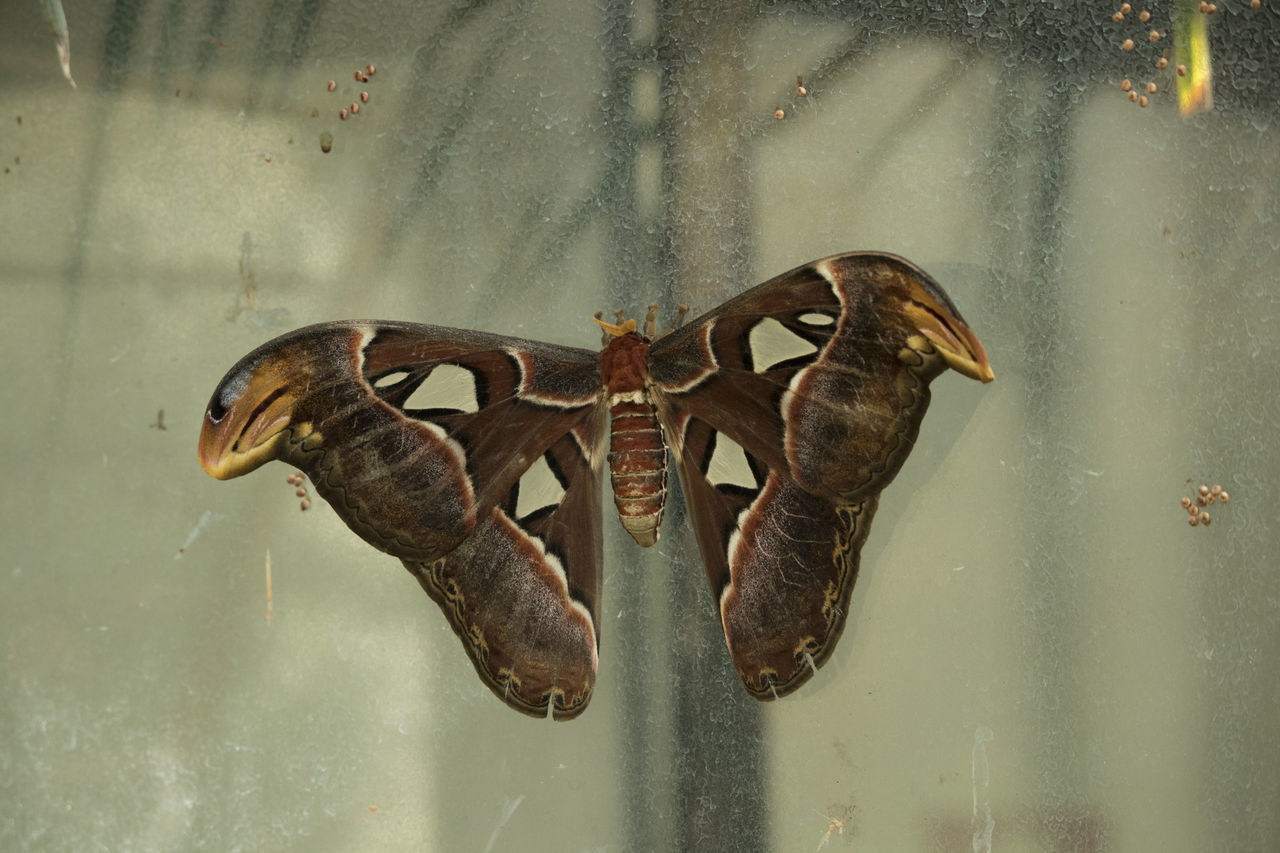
(61, 37)
(983, 824)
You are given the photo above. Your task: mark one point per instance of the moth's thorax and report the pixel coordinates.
(637, 450)
(622, 364)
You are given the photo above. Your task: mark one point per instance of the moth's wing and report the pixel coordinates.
(474, 458)
(523, 590)
(789, 408)
(413, 433)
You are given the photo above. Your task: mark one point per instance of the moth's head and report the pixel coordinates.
(616, 330)
(630, 326)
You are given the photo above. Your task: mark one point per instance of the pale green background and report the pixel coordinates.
(1041, 654)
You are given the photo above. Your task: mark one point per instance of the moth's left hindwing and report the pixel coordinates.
(523, 592)
(469, 456)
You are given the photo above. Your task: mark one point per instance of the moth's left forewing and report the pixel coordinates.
(789, 409)
(413, 433)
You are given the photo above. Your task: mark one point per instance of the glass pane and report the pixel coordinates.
(1041, 653)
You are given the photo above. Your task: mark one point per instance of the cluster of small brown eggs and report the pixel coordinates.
(1134, 91)
(1205, 496)
(1212, 8)
(297, 479)
(801, 92)
(361, 75)
(1139, 94)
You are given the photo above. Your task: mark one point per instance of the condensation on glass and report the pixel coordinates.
(1042, 652)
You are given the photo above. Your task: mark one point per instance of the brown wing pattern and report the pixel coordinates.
(477, 459)
(523, 593)
(789, 409)
(468, 456)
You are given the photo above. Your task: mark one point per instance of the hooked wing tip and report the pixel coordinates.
(922, 303)
(247, 417)
(954, 340)
(970, 359)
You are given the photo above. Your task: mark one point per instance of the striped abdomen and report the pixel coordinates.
(638, 468)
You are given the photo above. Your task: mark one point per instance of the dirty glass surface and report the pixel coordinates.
(1042, 653)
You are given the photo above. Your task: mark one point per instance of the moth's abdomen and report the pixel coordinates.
(637, 451)
(638, 469)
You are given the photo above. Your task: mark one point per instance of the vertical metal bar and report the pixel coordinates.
(720, 796)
